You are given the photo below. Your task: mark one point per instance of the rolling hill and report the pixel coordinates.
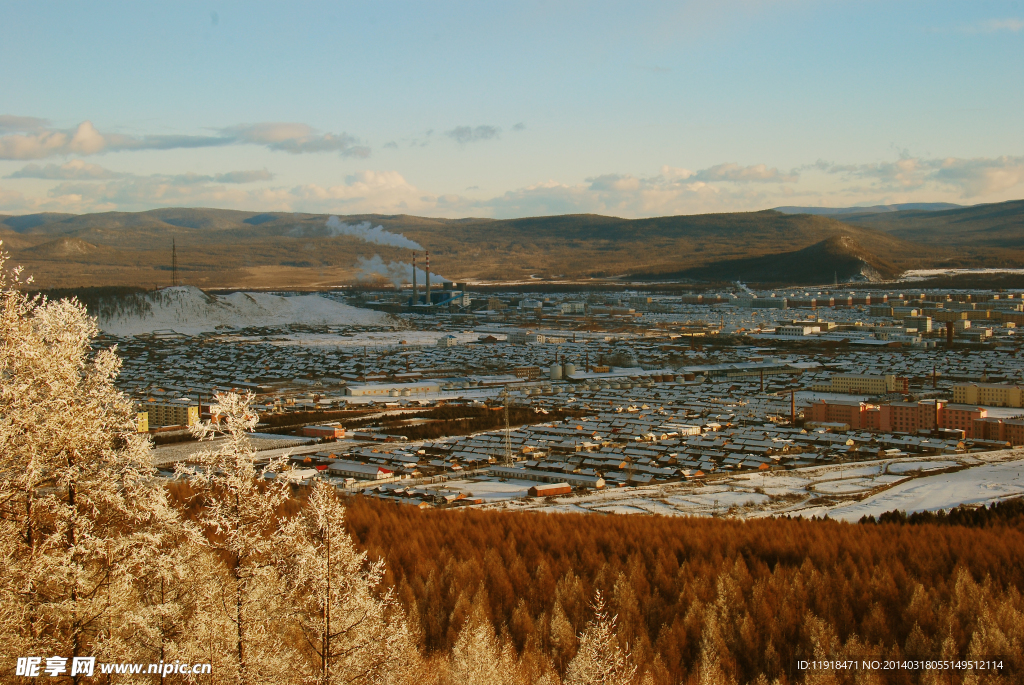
(226, 248)
(993, 226)
(838, 258)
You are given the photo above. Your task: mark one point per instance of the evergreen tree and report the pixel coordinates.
(80, 507)
(352, 635)
(600, 660)
(240, 502)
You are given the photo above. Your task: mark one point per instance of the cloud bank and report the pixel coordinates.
(726, 187)
(970, 178)
(25, 138)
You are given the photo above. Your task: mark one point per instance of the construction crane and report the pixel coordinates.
(506, 398)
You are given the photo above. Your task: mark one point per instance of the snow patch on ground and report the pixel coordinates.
(190, 311)
(845, 492)
(978, 485)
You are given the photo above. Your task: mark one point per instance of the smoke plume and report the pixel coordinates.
(371, 234)
(398, 273)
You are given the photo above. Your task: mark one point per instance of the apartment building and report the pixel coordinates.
(160, 414)
(988, 394)
(850, 384)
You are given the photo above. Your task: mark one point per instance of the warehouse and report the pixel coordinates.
(550, 490)
(574, 479)
(359, 471)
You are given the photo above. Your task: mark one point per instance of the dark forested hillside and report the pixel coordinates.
(999, 225)
(837, 258)
(763, 593)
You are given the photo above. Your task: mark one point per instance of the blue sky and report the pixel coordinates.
(516, 109)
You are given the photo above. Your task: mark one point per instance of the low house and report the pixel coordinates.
(550, 490)
(323, 431)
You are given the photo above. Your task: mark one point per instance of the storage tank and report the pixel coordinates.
(556, 372)
(569, 370)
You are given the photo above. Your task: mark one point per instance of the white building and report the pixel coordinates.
(392, 389)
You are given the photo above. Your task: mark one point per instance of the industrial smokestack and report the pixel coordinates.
(427, 300)
(415, 288)
(949, 333)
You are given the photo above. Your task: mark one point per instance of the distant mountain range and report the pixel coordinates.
(224, 248)
(875, 209)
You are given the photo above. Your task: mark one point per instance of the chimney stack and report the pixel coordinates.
(415, 288)
(427, 301)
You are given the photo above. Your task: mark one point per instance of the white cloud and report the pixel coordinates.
(626, 195)
(30, 138)
(969, 177)
(362, 192)
(974, 177)
(14, 124)
(758, 173)
(470, 134)
(75, 170)
(1011, 24)
(295, 138)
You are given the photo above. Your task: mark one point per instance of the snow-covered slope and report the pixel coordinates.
(981, 484)
(188, 310)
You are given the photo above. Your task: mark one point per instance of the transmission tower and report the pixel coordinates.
(174, 264)
(507, 399)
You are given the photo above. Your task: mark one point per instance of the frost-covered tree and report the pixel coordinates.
(600, 660)
(240, 501)
(352, 634)
(476, 656)
(80, 508)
